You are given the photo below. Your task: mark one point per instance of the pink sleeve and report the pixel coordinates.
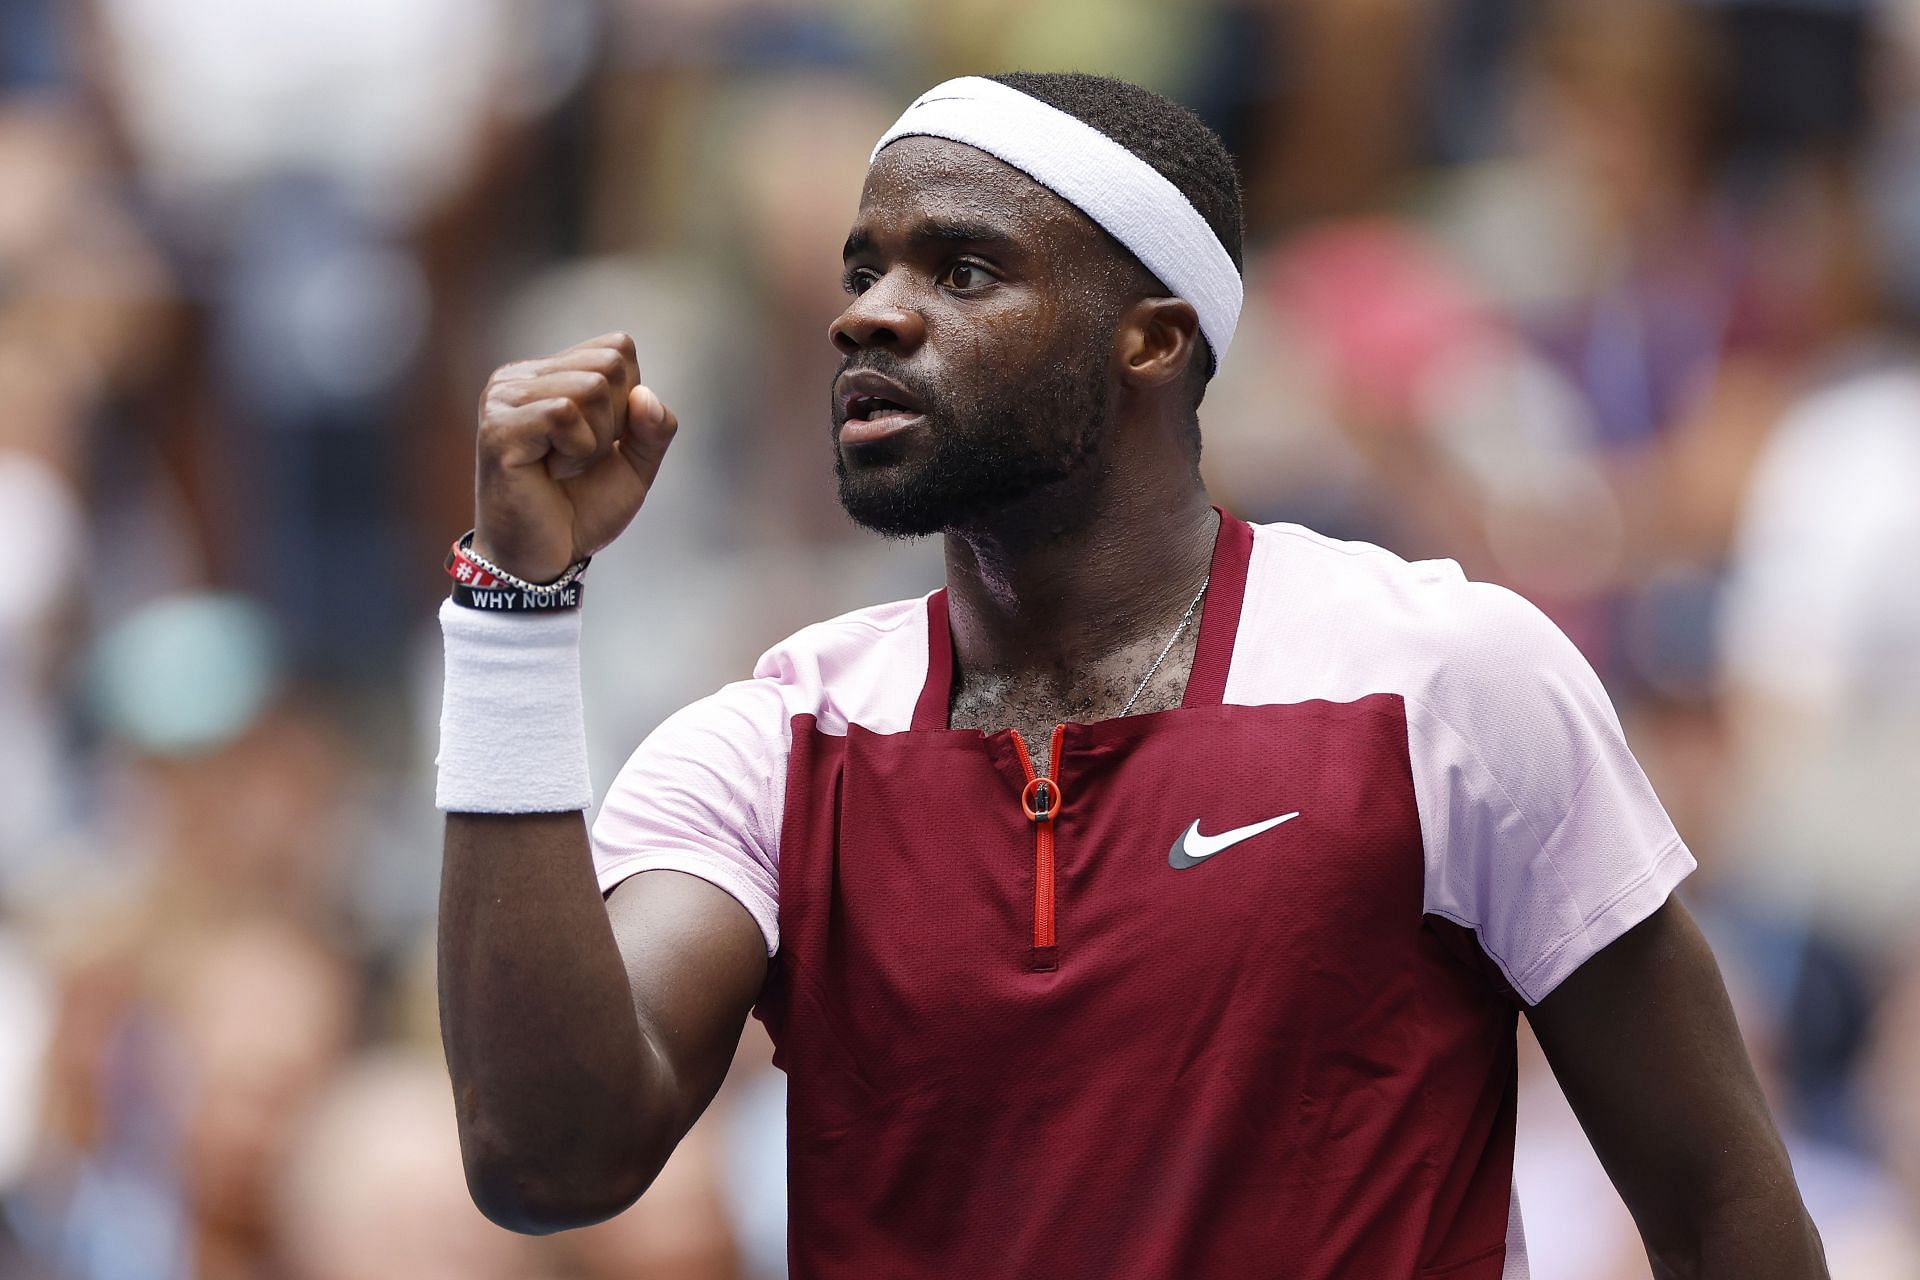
(1542, 833)
(704, 795)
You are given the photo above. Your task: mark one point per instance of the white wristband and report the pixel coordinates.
(513, 728)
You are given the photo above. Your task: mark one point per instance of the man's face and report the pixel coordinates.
(976, 343)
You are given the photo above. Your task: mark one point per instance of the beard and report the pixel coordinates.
(989, 448)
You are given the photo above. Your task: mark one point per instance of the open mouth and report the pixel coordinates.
(875, 408)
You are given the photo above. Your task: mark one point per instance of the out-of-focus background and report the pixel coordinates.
(1614, 301)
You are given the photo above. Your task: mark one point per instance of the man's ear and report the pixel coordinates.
(1158, 339)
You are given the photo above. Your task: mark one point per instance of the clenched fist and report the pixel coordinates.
(568, 447)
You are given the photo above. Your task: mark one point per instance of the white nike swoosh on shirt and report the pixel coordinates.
(1192, 847)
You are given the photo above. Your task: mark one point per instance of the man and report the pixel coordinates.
(1158, 899)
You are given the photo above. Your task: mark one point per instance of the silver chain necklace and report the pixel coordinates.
(1185, 618)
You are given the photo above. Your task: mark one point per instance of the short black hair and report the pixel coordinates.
(1157, 129)
(1160, 131)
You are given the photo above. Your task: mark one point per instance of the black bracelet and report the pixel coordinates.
(520, 600)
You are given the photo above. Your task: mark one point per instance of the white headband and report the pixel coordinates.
(1125, 195)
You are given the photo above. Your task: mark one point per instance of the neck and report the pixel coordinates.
(1050, 584)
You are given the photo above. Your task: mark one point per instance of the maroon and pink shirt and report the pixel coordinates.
(1232, 993)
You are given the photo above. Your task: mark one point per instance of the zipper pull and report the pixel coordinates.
(1040, 799)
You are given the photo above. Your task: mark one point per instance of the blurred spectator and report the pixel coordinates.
(179, 1064)
(374, 1187)
(1824, 653)
(264, 1017)
(83, 291)
(1820, 626)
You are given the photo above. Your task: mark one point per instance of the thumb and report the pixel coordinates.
(650, 429)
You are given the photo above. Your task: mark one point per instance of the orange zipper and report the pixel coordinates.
(1041, 801)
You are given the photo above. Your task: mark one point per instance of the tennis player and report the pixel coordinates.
(1157, 899)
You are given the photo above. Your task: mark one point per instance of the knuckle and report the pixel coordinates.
(622, 345)
(499, 393)
(493, 418)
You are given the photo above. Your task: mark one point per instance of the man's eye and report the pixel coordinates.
(857, 281)
(964, 275)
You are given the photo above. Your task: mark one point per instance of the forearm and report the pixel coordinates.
(563, 1106)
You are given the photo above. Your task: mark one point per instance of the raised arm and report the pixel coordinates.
(1643, 1042)
(583, 1036)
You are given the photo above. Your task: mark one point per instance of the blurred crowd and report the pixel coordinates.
(1616, 302)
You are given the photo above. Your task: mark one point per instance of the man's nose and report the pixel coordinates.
(878, 318)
